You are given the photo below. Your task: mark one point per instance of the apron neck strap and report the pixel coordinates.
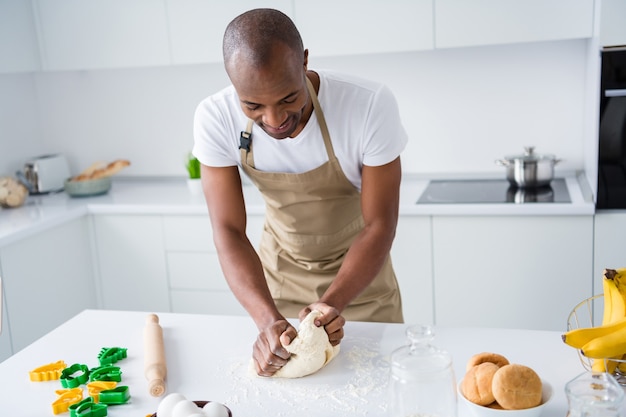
(321, 120)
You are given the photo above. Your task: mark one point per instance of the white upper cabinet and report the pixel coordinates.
(461, 23)
(19, 51)
(59, 35)
(347, 27)
(79, 34)
(613, 22)
(197, 26)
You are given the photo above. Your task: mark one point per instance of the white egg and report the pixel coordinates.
(166, 406)
(197, 415)
(185, 408)
(213, 409)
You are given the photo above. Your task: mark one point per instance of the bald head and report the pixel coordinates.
(252, 36)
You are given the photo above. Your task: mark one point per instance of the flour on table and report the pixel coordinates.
(310, 350)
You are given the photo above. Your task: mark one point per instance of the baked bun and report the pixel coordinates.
(516, 387)
(476, 386)
(479, 358)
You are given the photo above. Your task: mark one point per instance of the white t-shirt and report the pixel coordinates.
(362, 118)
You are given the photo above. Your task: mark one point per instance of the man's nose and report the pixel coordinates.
(274, 117)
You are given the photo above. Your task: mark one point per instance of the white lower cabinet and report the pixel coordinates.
(131, 262)
(609, 249)
(411, 255)
(47, 279)
(196, 281)
(5, 337)
(511, 272)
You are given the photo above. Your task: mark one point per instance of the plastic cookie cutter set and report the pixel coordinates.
(117, 395)
(66, 398)
(88, 408)
(96, 387)
(108, 356)
(49, 372)
(74, 375)
(105, 373)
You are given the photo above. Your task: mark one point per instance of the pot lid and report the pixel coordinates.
(529, 155)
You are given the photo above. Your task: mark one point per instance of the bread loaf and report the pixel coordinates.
(99, 170)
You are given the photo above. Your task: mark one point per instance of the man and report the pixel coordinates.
(329, 171)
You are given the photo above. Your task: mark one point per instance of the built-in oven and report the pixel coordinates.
(612, 131)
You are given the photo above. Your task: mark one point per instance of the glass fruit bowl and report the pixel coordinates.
(582, 316)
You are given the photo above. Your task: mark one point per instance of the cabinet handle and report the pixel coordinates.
(615, 93)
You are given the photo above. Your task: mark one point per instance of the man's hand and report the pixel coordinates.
(268, 352)
(330, 319)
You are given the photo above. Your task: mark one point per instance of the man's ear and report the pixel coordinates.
(306, 59)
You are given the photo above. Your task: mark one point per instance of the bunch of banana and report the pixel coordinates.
(607, 341)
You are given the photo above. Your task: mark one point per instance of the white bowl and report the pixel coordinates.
(483, 411)
(88, 188)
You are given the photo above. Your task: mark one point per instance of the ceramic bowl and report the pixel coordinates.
(200, 404)
(88, 188)
(482, 411)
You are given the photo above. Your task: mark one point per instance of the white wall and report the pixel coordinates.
(463, 108)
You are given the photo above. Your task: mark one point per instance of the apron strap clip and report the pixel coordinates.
(244, 141)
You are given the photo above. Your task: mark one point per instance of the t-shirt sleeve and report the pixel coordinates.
(215, 143)
(386, 137)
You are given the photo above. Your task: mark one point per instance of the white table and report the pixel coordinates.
(208, 358)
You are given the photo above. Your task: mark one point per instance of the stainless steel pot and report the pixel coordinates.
(530, 169)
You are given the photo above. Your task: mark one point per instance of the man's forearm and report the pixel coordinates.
(363, 262)
(244, 273)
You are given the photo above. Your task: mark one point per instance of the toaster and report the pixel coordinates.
(45, 174)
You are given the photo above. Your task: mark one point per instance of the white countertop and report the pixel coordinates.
(208, 358)
(171, 196)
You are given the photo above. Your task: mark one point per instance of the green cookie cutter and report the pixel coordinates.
(75, 375)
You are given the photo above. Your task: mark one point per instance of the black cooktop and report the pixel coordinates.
(492, 191)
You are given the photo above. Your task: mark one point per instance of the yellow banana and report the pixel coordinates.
(601, 365)
(614, 300)
(580, 337)
(619, 277)
(608, 346)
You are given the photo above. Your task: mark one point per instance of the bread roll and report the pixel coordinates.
(516, 387)
(479, 358)
(476, 385)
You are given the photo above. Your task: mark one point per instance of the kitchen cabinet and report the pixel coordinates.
(196, 27)
(612, 27)
(411, 255)
(608, 251)
(351, 27)
(131, 262)
(5, 337)
(516, 272)
(79, 35)
(490, 22)
(197, 284)
(47, 278)
(19, 50)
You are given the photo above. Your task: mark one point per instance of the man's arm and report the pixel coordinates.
(380, 194)
(242, 266)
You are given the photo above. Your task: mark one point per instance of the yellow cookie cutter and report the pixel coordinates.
(47, 372)
(66, 398)
(94, 388)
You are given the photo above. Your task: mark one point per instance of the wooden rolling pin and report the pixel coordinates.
(155, 369)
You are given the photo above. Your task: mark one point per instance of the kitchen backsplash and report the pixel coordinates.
(462, 108)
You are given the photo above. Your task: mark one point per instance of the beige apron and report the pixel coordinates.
(311, 220)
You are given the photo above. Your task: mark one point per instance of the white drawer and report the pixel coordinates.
(191, 233)
(195, 270)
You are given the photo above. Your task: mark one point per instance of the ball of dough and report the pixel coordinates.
(310, 350)
(517, 387)
(476, 385)
(479, 358)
